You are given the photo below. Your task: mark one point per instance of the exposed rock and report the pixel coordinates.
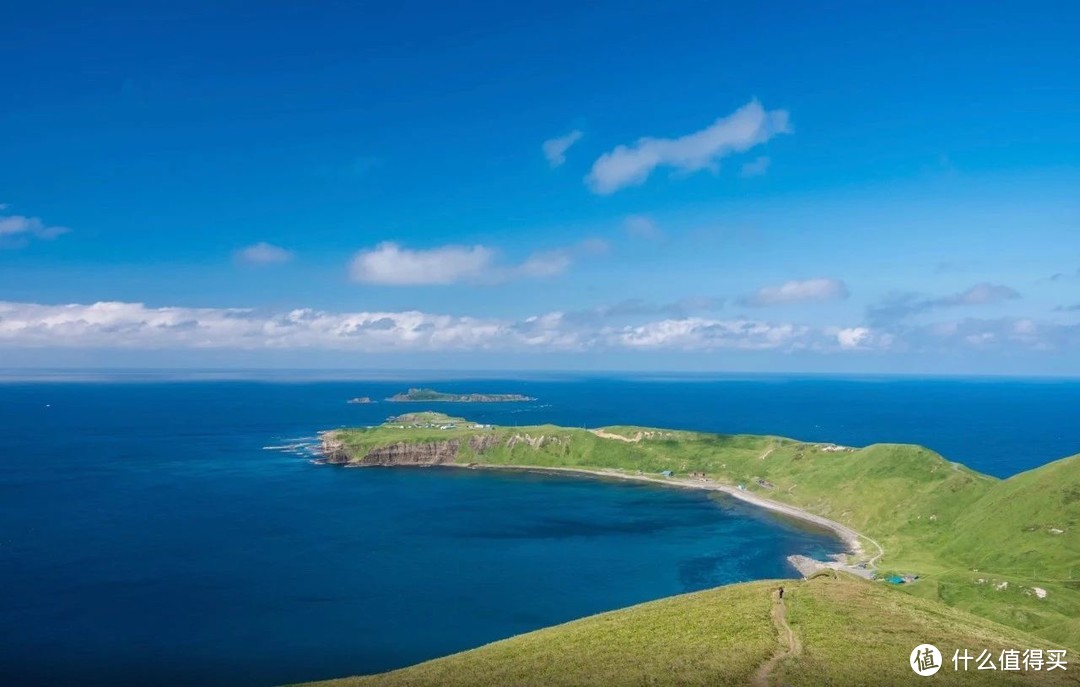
(412, 453)
(333, 450)
(425, 452)
(482, 442)
(538, 441)
(400, 453)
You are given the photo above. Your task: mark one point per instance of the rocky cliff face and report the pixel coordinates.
(400, 453)
(482, 442)
(421, 453)
(333, 451)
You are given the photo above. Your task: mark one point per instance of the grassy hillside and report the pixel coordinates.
(848, 632)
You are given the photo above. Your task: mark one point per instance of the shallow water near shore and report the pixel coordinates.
(146, 534)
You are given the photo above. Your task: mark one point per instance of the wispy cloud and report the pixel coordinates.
(804, 291)
(263, 253)
(630, 165)
(390, 264)
(642, 227)
(1064, 276)
(636, 308)
(17, 230)
(901, 306)
(980, 294)
(1001, 334)
(555, 148)
(755, 168)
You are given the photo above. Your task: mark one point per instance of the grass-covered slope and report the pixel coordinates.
(849, 632)
(963, 533)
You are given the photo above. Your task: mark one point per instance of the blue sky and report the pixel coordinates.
(861, 188)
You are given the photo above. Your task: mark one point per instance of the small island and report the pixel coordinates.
(360, 400)
(413, 395)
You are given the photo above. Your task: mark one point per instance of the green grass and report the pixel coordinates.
(852, 632)
(856, 632)
(965, 534)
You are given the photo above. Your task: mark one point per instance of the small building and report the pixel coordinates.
(667, 473)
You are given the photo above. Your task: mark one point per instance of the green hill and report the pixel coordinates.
(847, 632)
(990, 553)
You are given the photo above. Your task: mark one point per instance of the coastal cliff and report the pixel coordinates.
(398, 453)
(418, 453)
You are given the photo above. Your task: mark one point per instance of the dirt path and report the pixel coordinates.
(790, 645)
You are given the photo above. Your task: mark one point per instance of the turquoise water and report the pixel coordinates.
(147, 535)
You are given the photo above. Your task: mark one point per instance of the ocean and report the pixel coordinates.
(148, 535)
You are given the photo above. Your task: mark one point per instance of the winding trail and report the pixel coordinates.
(789, 641)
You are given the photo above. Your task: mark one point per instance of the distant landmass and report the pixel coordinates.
(360, 400)
(432, 395)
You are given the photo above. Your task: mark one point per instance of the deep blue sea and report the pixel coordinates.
(147, 536)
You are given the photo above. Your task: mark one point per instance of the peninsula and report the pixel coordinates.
(439, 396)
(953, 557)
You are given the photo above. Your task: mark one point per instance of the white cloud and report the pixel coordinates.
(16, 230)
(127, 325)
(263, 253)
(390, 264)
(863, 338)
(555, 148)
(852, 337)
(755, 168)
(808, 290)
(135, 325)
(630, 165)
(120, 325)
(695, 333)
(642, 227)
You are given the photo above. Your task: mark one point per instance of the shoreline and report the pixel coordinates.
(855, 560)
(851, 538)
